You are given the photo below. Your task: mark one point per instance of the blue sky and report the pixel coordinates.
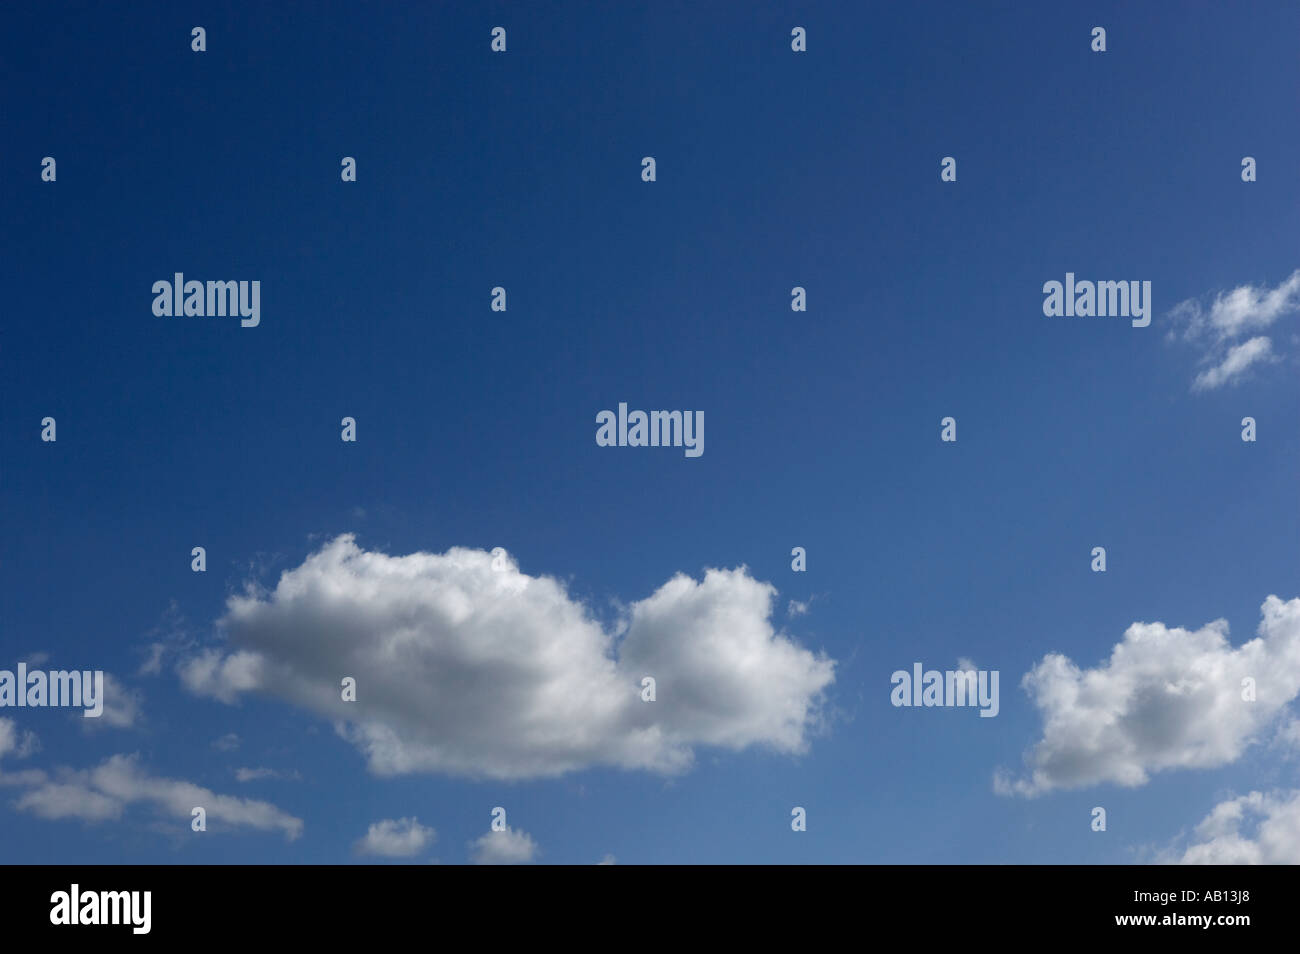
(475, 428)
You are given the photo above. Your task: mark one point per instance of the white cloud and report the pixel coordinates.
(122, 707)
(608, 860)
(227, 743)
(152, 665)
(105, 791)
(1218, 330)
(1166, 699)
(1235, 363)
(255, 774)
(169, 637)
(796, 608)
(1249, 308)
(396, 838)
(54, 800)
(507, 847)
(472, 671)
(16, 743)
(1256, 829)
(1288, 737)
(223, 677)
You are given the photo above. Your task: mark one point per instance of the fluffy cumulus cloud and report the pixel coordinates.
(1256, 829)
(507, 847)
(467, 669)
(1167, 698)
(104, 793)
(1226, 330)
(396, 838)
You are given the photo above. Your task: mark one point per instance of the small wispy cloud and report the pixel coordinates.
(257, 774)
(152, 664)
(170, 636)
(1234, 364)
(123, 707)
(16, 743)
(105, 792)
(1226, 329)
